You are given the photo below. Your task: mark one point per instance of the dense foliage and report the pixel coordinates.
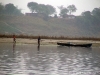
(89, 18)
(67, 10)
(86, 18)
(41, 8)
(9, 9)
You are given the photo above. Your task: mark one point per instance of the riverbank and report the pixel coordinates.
(47, 41)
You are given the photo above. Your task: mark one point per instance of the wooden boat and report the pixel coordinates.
(74, 45)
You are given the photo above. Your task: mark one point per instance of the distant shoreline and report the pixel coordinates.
(23, 36)
(46, 41)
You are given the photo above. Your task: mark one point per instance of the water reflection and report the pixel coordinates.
(38, 47)
(14, 44)
(50, 60)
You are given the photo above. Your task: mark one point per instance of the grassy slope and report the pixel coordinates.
(4, 28)
(52, 27)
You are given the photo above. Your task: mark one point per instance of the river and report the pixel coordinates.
(28, 59)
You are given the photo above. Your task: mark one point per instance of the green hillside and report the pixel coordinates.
(51, 27)
(5, 28)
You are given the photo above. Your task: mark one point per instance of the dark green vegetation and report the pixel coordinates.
(12, 21)
(64, 11)
(41, 8)
(9, 9)
(49, 10)
(53, 27)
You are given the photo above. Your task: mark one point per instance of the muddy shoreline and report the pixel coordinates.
(47, 41)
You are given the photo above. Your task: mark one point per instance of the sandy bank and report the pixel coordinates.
(46, 41)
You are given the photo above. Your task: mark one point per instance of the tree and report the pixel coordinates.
(71, 9)
(63, 11)
(41, 8)
(9, 8)
(17, 11)
(88, 18)
(96, 12)
(61, 7)
(33, 6)
(50, 9)
(86, 13)
(96, 15)
(1, 8)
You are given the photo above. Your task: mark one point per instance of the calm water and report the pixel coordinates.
(48, 60)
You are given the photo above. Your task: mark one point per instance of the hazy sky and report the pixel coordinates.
(81, 5)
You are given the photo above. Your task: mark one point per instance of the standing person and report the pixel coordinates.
(39, 41)
(14, 38)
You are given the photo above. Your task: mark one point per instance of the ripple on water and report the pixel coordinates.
(53, 61)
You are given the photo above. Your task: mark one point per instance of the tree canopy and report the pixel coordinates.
(86, 13)
(9, 9)
(63, 11)
(51, 10)
(41, 8)
(71, 9)
(90, 18)
(33, 6)
(96, 12)
(1, 8)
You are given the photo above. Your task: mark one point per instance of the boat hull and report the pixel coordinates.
(75, 45)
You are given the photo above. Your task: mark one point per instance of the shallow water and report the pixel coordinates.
(27, 59)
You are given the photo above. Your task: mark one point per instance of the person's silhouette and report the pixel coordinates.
(14, 39)
(39, 41)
